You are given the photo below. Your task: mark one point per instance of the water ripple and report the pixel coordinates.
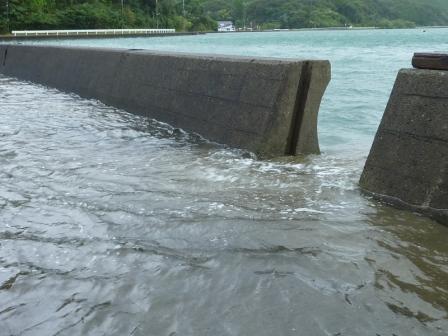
(112, 224)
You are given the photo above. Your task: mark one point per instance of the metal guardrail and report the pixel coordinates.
(91, 32)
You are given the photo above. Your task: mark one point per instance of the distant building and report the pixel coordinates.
(226, 26)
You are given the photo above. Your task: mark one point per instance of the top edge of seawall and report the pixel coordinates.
(420, 71)
(204, 56)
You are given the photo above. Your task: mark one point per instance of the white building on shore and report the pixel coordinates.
(226, 26)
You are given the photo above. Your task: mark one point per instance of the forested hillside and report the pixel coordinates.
(330, 13)
(71, 14)
(200, 15)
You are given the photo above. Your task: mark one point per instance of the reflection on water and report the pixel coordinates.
(117, 225)
(419, 247)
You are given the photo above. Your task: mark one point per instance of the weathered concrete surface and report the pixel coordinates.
(408, 162)
(430, 61)
(268, 106)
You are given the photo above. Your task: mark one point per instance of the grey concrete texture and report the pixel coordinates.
(268, 106)
(408, 163)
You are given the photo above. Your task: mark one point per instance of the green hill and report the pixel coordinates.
(329, 13)
(202, 14)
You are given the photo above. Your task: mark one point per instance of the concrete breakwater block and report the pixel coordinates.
(268, 106)
(408, 162)
(430, 61)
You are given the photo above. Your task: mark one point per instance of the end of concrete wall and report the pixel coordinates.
(408, 163)
(268, 106)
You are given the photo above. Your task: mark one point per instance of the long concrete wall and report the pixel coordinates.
(268, 106)
(408, 162)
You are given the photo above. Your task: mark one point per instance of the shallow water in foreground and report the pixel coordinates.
(112, 224)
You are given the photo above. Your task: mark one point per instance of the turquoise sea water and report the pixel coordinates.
(111, 224)
(364, 62)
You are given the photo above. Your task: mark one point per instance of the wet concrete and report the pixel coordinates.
(408, 163)
(268, 106)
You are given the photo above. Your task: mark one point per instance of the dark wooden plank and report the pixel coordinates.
(430, 61)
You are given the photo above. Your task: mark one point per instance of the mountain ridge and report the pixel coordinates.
(201, 15)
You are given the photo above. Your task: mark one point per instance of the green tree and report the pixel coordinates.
(201, 14)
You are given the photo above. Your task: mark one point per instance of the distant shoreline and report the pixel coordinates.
(6, 38)
(338, 28)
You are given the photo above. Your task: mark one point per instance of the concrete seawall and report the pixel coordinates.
(268, 106)
(408, 162)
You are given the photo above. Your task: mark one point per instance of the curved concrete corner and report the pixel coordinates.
(408, 162)
(268, 106)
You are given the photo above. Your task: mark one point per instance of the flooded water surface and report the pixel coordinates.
(113, 224)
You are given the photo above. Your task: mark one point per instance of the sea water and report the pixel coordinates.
(113, 224)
